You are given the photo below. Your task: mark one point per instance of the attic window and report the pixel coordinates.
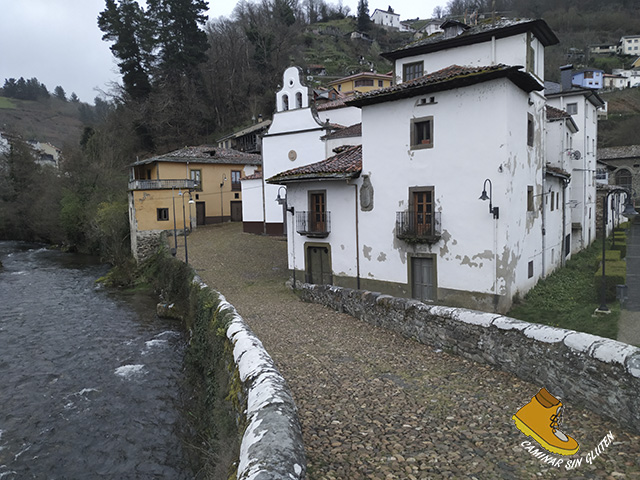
(211, 153)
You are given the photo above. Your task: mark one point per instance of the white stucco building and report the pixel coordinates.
(396, 204)
(294, 139)
(582, 104)
(386, 18)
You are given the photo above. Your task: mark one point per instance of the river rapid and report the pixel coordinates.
(90, 380)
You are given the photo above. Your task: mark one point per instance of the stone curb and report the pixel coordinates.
(271, 446)
(601, 374)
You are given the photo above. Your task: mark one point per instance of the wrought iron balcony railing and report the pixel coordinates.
(418, 227)
(313, 224)
(182, 183)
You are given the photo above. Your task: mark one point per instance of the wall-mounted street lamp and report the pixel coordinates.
(495, 211)
(628, 212)
(283, 201)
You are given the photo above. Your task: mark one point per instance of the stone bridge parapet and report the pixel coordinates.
(600, 374)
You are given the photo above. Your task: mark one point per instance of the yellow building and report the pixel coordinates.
(203, 182)
(361, 82)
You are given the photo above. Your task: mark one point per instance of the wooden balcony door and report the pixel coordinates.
(423, 212)
(317, 214)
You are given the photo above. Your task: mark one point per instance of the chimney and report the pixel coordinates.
(566, 72)
(259, 118)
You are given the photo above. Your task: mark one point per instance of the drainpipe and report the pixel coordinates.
(544, 219)
(357, 235)
(565, 183)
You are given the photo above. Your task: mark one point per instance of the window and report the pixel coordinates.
(380, 84)
(530, 130)
(411, 71)
(530, 198)
(364, 82)
(421, 210)
(553, 203)
(298, 100)
(285, 102)
(531, 269)
(196, 176)
(531, 54)
(572, 108)
(235, 180)
(623, 178)
(163, 214)
(588, 74)
(318, 211)
(421, 133)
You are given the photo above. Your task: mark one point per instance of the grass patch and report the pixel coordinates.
(568, 298)
(7, 103)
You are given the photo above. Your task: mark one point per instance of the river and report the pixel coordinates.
(90, 380)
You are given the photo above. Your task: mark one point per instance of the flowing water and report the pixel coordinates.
(89, 380)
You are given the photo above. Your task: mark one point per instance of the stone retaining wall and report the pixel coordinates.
(271, 447)
(600, 374)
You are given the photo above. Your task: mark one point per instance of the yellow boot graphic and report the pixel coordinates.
(539, 420)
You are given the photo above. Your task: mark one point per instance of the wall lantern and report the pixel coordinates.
(495, 211)
(283, 201)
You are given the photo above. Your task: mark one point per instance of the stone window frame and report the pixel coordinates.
(162, 214)
(416, 125)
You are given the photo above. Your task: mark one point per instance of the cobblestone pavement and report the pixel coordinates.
(374, 405)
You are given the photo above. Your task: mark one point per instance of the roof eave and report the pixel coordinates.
(539, 27)
(311, 177)
(521, 79)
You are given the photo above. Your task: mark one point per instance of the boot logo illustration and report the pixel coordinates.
(540, 420)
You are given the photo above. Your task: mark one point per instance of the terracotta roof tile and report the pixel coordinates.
(554, 113)
(205, 154)
(347, 163)
(345, 132)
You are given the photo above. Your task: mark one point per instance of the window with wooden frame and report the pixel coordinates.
(421, 133)
(364, 82)
(317, 211)
(235, 180)
(411, 71)
(421, 210)
(196, 176)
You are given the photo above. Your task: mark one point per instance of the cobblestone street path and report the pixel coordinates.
(374, 405)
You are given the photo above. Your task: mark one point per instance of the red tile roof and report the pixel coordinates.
(345, 132)
(554, 113)
(347, 163)
(454, 76)
(205, 154)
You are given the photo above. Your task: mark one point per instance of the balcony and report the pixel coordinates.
(416, 227)
(182, 183)
(313, 224)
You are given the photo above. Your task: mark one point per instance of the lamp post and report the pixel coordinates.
(283, 201)
(224, 179)
(175, 235)
(495, 211)
(628, 212)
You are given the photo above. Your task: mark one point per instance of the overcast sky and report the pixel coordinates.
(59, 42)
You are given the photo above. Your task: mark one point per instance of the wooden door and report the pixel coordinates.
(236, 211)
(200, 213)
(318, 266)
(423, 278)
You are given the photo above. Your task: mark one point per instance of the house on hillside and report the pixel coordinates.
(201, 181)
(603, 49)
(630, 45)
(248, 139)
(457, 186)
(632, 76)
(588, 78)
(583, 105)
(614, 82)
(386, 18)
(361, 82)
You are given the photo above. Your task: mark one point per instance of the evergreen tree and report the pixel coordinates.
(364, 22)
(125, 24)
(59, 93)
(181, 43)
